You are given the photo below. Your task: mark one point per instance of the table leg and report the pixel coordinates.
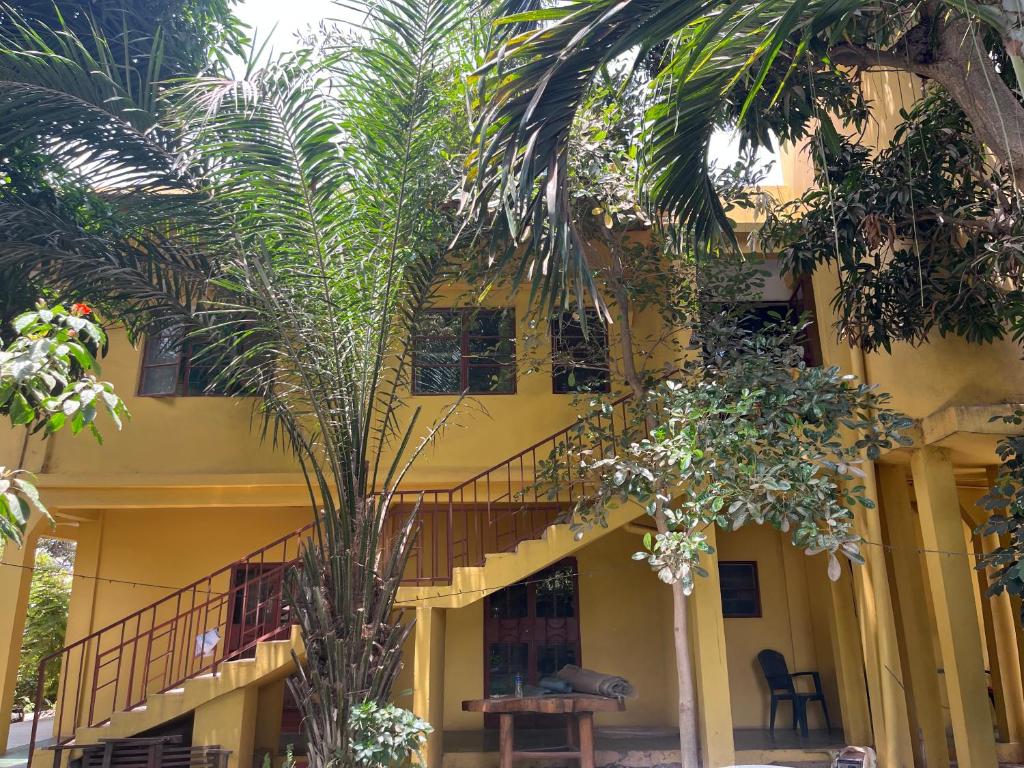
(570, 731)
(585, 722)
(506, 736)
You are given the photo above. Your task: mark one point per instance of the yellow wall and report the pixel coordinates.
(787, 625)
(948, 371)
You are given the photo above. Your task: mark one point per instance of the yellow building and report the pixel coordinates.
(183, 523)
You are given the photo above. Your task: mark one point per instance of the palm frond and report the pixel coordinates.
(715, 62)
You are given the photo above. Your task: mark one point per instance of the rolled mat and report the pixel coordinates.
(589, 681)
(555, 685)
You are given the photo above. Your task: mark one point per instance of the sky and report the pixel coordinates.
(281, 19)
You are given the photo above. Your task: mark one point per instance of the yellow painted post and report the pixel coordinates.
(15, 583)
(428, 677)
(269, 708)
(889, 717)
(880, 647)
(711, 666)
(81, 609)
(949, 576)
(919, 660)
(229, 722)
(849, 660)
(1004, 630)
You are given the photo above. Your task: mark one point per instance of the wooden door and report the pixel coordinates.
(257, 606)
(531, 628)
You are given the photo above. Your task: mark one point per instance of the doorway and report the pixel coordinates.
(531, 628)
(258, 608)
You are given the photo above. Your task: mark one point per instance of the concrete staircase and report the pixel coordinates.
(273, 660)
(500, 569)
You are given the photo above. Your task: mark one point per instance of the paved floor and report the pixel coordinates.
(22, 732)
(17, 742)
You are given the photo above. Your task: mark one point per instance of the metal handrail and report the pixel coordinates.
(457, 527)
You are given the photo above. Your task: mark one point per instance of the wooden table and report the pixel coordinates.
(578, 707)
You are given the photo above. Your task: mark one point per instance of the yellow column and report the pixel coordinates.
(949, 576)
(1004, 626)
(835, 598)
(919, 658)
(711, 667)
(267, 734)
(229, 722)
(428, 677)
(81, 609)
(889, 717)
(15, 582)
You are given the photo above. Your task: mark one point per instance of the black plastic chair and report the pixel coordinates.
(782, 688)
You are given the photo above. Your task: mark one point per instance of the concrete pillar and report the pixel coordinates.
(711, 666)
(81, 610)
(919, 658)
(16, 565)
(269, 707)
(848, 655)
(889, 718)
(1004, 634)
(428, 677)
(949, 576)
(229, 721)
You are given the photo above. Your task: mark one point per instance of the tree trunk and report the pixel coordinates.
(956, 58)
(680, 617)
(684, 670)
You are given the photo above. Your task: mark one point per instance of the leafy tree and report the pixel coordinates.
(769, 69)
(48, 381)
(88, 165)
(45, 624)
(923, 232)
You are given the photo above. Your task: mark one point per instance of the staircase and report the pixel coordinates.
(232, 629)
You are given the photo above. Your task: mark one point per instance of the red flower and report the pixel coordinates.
(80, 309)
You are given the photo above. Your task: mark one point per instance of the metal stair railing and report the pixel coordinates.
(224, 615)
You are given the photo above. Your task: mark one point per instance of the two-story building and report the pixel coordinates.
(185, 520)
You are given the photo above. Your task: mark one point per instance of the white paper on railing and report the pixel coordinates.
(206, 642)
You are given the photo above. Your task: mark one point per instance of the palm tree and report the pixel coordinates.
(314, 195)
(768, 67)
(92, 177)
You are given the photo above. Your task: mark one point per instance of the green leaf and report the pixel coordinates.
(21, 412)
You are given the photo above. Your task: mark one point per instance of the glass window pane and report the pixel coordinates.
(491, 379)
(436, 380)
(579, 362)
(504, 660)
(200, 378)
(164, 346)
(555, 592)
(159, 380)
(509, 603)
(551, 658)
(740, 591)
(502, 350)
(446, 323)
(492, 322)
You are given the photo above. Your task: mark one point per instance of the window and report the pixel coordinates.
(741, 594)
(465, 350)
(175, 365)
(579, 363)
